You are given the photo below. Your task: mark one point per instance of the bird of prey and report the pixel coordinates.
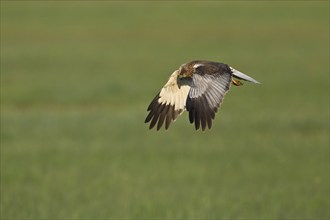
(198, 87)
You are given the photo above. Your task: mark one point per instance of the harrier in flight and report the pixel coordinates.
(198, 87)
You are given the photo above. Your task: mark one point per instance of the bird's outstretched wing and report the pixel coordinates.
(169, 103)
(205, 97)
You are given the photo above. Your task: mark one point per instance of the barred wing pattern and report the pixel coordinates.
(169, 103)
(205, 97)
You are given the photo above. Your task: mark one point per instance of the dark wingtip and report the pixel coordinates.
(148, 118)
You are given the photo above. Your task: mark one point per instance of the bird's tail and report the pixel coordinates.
(242, 76)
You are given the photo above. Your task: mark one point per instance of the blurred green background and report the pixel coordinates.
(77, 77)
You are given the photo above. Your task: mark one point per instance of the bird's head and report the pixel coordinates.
(186, 70)
(183, 71)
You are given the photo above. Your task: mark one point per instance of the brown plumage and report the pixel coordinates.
(198, 87)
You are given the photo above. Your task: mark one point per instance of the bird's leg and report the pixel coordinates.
(236, 82)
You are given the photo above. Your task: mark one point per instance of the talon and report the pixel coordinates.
(236, 82)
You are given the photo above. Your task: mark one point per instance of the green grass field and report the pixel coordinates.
(77, 77)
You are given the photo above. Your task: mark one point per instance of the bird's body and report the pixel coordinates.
(198, 87)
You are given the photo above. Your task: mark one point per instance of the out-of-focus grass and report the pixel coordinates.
(76, 78)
